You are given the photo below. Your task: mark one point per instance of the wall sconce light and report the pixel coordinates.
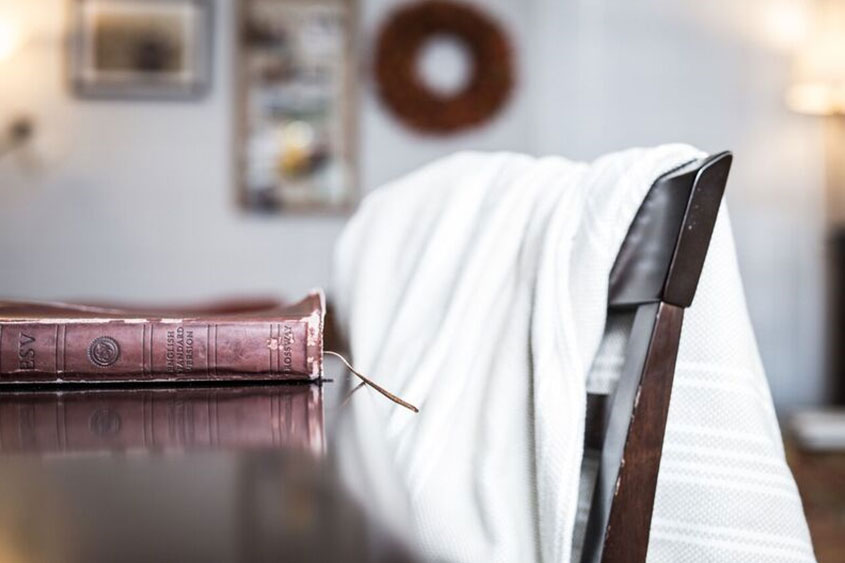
(21, 128)
(18, 132)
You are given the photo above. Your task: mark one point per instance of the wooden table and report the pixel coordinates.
(821, 481)
(183, 474)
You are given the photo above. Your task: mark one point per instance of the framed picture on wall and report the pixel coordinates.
(295, 68)
(140, 48)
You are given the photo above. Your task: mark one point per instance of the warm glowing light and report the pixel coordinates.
(786, 23)
(816, 98)
(10, 38)
(819, 69)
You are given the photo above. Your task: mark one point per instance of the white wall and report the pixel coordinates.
(134, 200)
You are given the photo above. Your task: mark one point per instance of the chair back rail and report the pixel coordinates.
(664, 250)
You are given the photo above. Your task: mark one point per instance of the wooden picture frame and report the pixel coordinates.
(141, 49)
(295, 106)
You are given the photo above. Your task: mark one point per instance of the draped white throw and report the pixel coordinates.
(476, 288)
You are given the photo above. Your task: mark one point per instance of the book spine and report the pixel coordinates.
(81, 421)
(162, 350)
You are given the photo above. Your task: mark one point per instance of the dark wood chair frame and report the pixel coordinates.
(655, 274)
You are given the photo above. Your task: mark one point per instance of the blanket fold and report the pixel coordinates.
(476, 288)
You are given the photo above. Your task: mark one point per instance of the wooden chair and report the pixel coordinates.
(656, 274)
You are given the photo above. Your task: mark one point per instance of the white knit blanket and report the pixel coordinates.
(476, 288)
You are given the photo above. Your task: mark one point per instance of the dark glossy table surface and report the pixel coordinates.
(182, 474)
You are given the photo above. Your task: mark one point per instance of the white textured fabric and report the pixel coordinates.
(476, 288)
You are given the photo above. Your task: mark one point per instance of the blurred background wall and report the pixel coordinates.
(134, 200)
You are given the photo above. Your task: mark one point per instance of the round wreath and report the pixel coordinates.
(403, 90)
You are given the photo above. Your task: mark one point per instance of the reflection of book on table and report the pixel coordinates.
(282, 415)
(49, 343)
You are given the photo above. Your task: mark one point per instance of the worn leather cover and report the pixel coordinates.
(243, 417)
(58, 342)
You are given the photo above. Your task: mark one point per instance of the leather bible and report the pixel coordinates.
(58, 342)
